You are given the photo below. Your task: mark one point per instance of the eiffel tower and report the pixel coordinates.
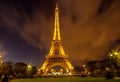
(57, 61)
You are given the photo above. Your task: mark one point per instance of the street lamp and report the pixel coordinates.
(29, 69)
(85, 70)
(84, 66)
(115, 56)
(111, 55)
(29, 66)
(1, 56)
(107, 69)
(116, 53)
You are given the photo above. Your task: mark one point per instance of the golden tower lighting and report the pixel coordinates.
(56, 61)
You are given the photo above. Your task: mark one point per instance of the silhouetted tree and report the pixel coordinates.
(78, 69)
(6, 68)
(20, 69)
(93, 67)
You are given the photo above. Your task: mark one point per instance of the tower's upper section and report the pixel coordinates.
(56, 35)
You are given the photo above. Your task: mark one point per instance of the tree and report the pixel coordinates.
(114, 56)
(78, 69)
(6, 68)
(31, 70)
(20, 69)
(93, 67)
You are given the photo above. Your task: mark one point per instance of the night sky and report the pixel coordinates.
(88, 29)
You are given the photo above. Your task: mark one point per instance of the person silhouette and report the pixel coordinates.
(5, 78)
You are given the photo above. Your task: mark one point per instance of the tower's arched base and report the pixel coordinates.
(56, 66)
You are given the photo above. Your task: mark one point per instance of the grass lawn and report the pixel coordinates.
(66, 79)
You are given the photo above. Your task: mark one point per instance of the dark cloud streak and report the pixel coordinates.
(105, 4)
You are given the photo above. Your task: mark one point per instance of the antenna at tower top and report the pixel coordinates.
(56, 5)
(56, 1)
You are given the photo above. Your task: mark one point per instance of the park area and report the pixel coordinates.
(66, 79)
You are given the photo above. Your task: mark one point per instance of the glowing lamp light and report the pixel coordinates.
(111, 55)
(38, 69)
(70, 73)
(116, 53)
(29, 67)
(83, 65)
(107, 69)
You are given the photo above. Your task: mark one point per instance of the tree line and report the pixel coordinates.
(17, 70)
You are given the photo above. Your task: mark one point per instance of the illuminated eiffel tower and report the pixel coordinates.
(57, 61)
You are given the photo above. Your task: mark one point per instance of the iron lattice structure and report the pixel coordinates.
(56, 56)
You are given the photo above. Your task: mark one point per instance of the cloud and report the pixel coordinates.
(89, 37)
(33, 30)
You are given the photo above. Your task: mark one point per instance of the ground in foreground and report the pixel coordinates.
(66, 79)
